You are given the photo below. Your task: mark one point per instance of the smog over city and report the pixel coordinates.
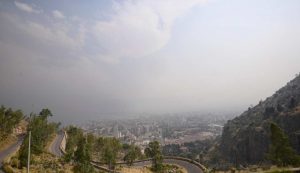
(118, 58)
(150, 86)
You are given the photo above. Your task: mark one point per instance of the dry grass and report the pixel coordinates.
(182, 169)
(46, 163)
(145, 169)
(135, 170)
(11, 139)
(23, 124)
(260, 170)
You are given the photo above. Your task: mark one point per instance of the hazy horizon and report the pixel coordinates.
(87, 60)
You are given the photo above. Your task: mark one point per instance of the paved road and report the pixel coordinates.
(9, 151)
(191, 168)
(55, 146)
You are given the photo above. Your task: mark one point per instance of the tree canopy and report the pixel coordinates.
(281, 153)
(154, 151)
(41, 131)
(9, 119)
(133, 153)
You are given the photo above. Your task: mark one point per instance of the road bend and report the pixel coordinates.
(55, 146)
(11, 149)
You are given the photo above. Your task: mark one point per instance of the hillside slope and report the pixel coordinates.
(246, 138)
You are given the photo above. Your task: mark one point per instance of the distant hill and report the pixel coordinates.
(246, 138)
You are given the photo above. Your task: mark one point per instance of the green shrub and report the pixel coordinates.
(15, 162)
(281, 153)
(281, 171)
(7, 168)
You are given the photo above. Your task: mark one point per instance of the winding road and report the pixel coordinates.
(55, 145)
(191, 168)
(9, 151)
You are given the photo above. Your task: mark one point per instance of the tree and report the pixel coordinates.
(132, 154)
(41, 132)
(126, 146)
(171, 150)
(110, 151)
(153, 151)
(82, 156)
(292, 103)
(9, 119)
(281, 153)
(279, 107)
(74, 136)
(99, 144)
(46, 113)
(79, 148)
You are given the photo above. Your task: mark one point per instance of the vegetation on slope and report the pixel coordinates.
(82, 149)
(9, 119)
(132, 153)
(154, 151)
(247, 139)
(280, 152)
(41, 131)
(193, 150)
(79, 150)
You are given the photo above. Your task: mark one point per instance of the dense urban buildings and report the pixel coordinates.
(168, 129)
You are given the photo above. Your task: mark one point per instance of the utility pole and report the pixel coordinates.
(28, 160)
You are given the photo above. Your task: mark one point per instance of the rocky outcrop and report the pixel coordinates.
(245, 139)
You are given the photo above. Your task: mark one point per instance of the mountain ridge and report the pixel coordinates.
(246, 139)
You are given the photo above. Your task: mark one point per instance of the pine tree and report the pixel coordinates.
(110, 151)
(82, 157)
(133, 153)
(153, 151)
(281, 153)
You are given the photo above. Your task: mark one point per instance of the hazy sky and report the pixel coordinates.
(86, 59)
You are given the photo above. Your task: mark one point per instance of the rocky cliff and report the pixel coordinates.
(246, 138)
